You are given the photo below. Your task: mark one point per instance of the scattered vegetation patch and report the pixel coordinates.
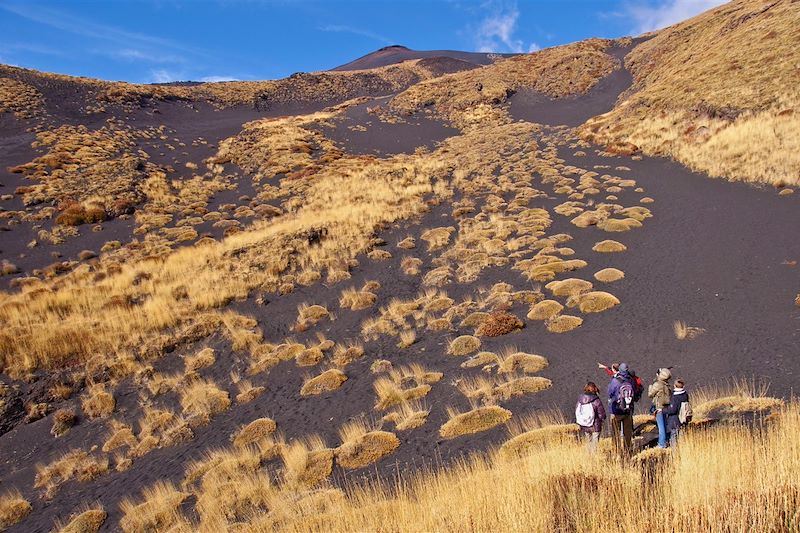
(545, 310)
(88, 521)
(98, 402)
(257, 430)
(609, 275)
(499, 323)
(609, 246)
(13, 508)
(328, 381)
(463, 345)
(596, 301)
(529, 363)
(201, 400)
(563, 323)
(158, 510)
(361, 447)
(475, 421)
(683, 331)
(76, 464)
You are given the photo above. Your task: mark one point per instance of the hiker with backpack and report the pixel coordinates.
(623, 394)
(659, 392)
(678, 413)
(590, 415)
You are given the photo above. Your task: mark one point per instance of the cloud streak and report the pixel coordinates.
(147, 45)
(654, 16)
(496, 31)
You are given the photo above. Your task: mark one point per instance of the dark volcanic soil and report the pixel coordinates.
(360, 132)
(533, 106)
(391, 55)
(716, 254)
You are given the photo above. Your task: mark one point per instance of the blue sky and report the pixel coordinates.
(210, 40)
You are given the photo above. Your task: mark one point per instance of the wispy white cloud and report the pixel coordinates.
(339, 28)
(660, 14)
(162, 75)
(214, 79)
(123, 39)
(496, 30)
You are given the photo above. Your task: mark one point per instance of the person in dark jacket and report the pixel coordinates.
(621, 420)
(591, 398)
(673, 410)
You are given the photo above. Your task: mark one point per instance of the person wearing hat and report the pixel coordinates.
(661, 395)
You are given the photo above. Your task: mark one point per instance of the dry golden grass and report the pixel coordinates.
(88, 521)
(499, 323)
(13, 508)
(474, 421)
(408, 415)
(390, 391)
(63, 420)
(512, 360)
(683, 331)
(563, 323)
(593, 302)
(258, 429)
(545, 310)
(248, 392)
(158, 510)
(328, 381)
(357, 299)
(202, 359)
(480, 359)
(742, 396)
(713, 91)
(569, 287)
(75, 464)
(307, 462)
(202, 400)
(437, 237)
(98, 402)
(463, 345)
(609, 246)
(362, 446)
(609, 275)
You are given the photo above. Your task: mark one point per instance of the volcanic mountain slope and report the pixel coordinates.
(718, 93)
(391, 55)
(227, 302)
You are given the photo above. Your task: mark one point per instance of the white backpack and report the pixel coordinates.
(685, 413)
(584, 414)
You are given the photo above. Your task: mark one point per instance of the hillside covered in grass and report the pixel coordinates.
(367, 299)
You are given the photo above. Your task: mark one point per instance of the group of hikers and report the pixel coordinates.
(670, 405)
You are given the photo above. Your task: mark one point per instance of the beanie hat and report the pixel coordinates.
(623, 367)
(664, 374)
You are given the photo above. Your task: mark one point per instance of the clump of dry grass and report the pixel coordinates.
(408, 415)
(463, 345)
(159, 509)
(391, 390)
(344, 354)
(98, 402)
(480, 359)
(248, 392)
(569, 287)
(76, 464)
(499, 323)
(594, 301)
(88, 521)
(357, 299)
(411, 265)
(63, 420)
(201, 400)
(258, 429)
(474, 421)
(563, 323)
(684, 331)
(609, 246)
(437, 237)
(732, 398)
(545, 310)
(307, 462)
(609, 275)
(328, 381)
(13, 508)
(512, 360)
(202, 359)
(361, 447)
